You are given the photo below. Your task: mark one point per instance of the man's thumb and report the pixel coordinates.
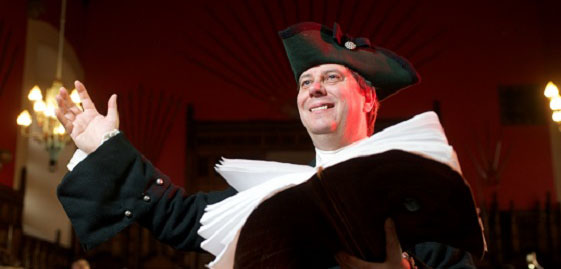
(112, 112)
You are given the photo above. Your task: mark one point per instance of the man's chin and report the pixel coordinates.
(321, 130)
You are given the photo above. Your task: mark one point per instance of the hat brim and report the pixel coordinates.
(311, 44)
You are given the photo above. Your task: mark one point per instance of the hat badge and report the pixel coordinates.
(350, 45)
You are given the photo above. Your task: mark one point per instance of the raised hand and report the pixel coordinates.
(394, 258)
(86, 128)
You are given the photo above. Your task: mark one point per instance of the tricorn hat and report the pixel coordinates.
(309, 44)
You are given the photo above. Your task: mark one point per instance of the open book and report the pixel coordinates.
(285, 209)
(343, 208)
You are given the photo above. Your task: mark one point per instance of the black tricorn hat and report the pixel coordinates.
(309, 44)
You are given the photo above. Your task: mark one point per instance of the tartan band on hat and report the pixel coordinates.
(310, 44)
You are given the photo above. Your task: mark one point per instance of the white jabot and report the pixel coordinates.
(256, 181)
(324, 156)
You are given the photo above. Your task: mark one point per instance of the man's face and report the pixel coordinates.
(331, 101)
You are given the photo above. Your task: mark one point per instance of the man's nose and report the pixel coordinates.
(317, 89)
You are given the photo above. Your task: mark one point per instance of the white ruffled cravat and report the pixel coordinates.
(256, 181)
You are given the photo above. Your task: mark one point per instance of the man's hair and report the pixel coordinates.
(365, 85)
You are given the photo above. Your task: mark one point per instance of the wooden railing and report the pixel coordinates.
(11, 208)
(18, 249)
(513, 234)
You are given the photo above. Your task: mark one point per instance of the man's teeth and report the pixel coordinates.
(318, 108)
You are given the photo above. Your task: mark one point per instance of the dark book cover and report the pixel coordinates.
(343, 208)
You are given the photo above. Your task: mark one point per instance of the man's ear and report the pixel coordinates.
(368, 99)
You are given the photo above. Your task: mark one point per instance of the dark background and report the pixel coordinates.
(483, 64)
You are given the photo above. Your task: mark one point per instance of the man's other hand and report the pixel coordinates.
(86, 128)
(394, 258)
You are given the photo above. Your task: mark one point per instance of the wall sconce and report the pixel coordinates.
(552, 93)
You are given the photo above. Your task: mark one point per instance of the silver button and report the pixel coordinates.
(146, 198)
(128, 213)
(160, 181)
(350, 45)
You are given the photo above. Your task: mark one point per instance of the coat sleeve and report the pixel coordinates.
(436, 255)
(116, 186)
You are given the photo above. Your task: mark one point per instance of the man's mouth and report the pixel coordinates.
(322, 107)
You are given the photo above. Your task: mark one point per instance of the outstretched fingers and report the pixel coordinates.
(87, 102)
(112, 112)
(66, 103)
(60, 114)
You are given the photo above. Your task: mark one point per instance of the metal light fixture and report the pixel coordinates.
(552, 93)
(50, 131)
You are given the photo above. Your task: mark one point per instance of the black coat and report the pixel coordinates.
(116, 186)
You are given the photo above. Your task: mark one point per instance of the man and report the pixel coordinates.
(112, 185)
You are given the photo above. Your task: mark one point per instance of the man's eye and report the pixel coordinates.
(305, 83)
(333, 77)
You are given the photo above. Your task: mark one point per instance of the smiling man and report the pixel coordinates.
(340, 80)
(333, 106)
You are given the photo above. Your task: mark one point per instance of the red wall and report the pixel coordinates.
(14, 21)
(484, 44)
(500, 44)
